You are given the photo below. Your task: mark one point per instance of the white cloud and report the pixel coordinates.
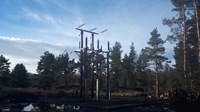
(28, 62)
(28, 51)
(19, 39)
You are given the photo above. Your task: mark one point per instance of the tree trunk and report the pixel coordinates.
(184, 48)
(157, 85)
(157, 79)
(196, 10)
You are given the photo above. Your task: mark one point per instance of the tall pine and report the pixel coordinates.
(116, 64)
(156, 52)
(45, 70)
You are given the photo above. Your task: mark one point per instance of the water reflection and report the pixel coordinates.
(30, 108)
(38, 107)
(47, 107)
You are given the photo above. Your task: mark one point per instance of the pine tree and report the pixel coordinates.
(4, 71)
(184, 28)
(116, 65)
(19, 76)
(133, 58)
(126, 64)
(156, 51)
(63, 66)
(142, 66)
(45, 70)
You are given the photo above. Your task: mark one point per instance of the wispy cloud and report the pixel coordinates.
(40, 17)
(41, 2)
(60, 27)
(19, 39)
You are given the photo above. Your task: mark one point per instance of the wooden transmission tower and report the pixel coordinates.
(88, 67)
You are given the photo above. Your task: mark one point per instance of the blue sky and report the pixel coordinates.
(30, 27)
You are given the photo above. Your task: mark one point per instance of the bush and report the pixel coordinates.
(60, 94)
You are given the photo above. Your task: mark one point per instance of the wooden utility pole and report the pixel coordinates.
(83, 66)
(85, 69)
(97, 72)
(108, 73)
(92, 70)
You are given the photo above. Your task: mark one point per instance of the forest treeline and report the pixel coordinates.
(149, 70)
